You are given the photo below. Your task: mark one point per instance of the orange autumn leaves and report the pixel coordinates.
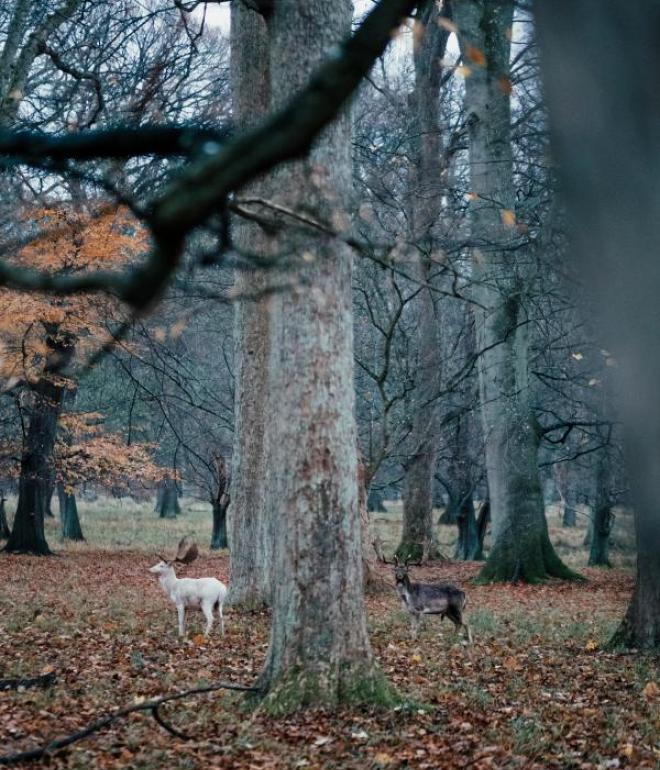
(65, 241)
(85, 452)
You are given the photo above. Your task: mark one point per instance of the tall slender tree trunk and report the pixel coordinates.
(418, 540)
(602, 515)
(319, 651)
(168, 499)
(468, 545)
(71, 529)
(521, 546)
(219, 534)
(248, 527)
(4, 526)
(220, 503)
(27, 535)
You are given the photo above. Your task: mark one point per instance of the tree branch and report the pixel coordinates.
(152, 705)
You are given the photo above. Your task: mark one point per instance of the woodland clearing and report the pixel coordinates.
(537, 690)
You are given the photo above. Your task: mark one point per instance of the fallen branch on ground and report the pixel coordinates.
(152, 705)
(43, 680)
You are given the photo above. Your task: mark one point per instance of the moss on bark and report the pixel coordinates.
(347, 685)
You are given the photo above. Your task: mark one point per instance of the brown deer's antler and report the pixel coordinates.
(187, 551)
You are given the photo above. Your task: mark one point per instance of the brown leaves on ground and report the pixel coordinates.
(536, 690)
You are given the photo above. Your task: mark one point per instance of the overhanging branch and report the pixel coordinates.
(202, 187)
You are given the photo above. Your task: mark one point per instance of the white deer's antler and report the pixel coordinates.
(187, 551)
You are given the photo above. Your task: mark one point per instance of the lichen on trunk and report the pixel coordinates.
(319, 652)
(247, 523)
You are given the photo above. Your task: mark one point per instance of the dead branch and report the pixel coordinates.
(152, 706)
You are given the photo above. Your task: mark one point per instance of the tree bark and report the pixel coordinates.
(468, 546)
(27, 534)
(248, 526)
(376, 501)
(319, 651)
(219, 536)
(71, 529)
(418, 539)
(569, 516)
(611, 182)
(21, 48)
(521, 548)
(50, 488)
(4, 526)
(603, 518)
(168, 500)
(220, 503)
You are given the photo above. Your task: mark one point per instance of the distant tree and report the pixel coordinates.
(521, 546)
(42, 338)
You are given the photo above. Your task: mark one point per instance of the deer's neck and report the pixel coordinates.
(404, 587)
(168, 580)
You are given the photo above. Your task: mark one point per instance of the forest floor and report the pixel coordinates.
(536, 690)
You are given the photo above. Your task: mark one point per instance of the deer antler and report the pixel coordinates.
(187, 551)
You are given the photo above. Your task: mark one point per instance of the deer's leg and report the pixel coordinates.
(207, 609)
(414, 624)
(456, 617)
(182, 619)
(222, 619)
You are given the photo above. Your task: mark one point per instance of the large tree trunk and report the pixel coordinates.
(71, 529)
(319, 651)
(612, 181)
(418, 540)
(248, 526)
(27, 534)
(167, 506)
(521, 548)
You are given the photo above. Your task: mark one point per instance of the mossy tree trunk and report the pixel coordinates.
(248, 524)
(70, 522)
(425, 189)
(27, 535)
(319, 652)
(502, 273)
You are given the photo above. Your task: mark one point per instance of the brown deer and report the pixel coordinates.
(443, 599)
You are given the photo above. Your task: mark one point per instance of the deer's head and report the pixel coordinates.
(400, 571)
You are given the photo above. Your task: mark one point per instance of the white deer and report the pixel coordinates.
(206, 594)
